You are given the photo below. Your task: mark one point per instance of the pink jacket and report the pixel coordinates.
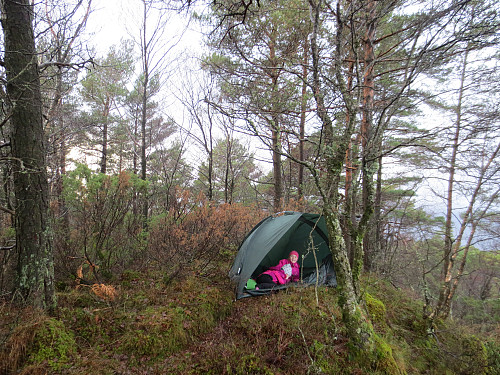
(279, 276)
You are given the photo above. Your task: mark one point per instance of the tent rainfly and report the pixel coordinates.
(272, 239)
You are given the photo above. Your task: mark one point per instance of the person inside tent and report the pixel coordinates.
(287, 270)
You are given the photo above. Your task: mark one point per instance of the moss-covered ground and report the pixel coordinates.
(196, 327)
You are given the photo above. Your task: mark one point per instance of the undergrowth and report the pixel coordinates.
(193, 326)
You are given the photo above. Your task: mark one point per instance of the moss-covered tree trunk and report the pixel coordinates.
(35, 268)
(357, 323)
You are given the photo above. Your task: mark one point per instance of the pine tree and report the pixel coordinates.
(34, 283)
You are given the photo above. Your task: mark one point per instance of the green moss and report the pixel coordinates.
(493, 353)
(52, 343)
(473, 355)
(384, 359)
(323, 364)
(464, 353)
(159, 331)
(155, 332)
(376, 309)
(97, 327)
(182, 328)
(128, 277)
(251, 364)
(78, 298)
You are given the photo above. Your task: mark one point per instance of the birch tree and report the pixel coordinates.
(471, 160)
(344, 91)
(155, 44)
(62, 57)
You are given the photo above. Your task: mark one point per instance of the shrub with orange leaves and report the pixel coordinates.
(80, 277)
(105, 292)
(200, 239)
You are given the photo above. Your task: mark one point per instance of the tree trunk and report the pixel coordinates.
(104, 151)
(277, 168)
(135, 166)
(208, 144)
(145, 205)
(303, 108)
(145, 72)
(210, 177)
(228, 180)
(351, 172)
(104, 140)
(275, 127)
(367, 137)
(373, 237)
(34, 283)
(448, 257)
(357, 323)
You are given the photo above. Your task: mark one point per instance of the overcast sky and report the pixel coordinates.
(113, 20)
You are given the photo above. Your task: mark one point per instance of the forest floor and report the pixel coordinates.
(141, 325)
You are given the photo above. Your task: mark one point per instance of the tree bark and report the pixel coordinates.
(448, 256)
(303, 108)
(275, 127)
(104, 140)
(368, 144)
(145, 71)
(34, 283)
(277, 168)
(358, 325)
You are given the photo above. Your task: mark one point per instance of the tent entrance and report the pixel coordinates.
(273, 239)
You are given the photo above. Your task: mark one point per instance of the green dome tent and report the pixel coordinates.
(272, 239)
